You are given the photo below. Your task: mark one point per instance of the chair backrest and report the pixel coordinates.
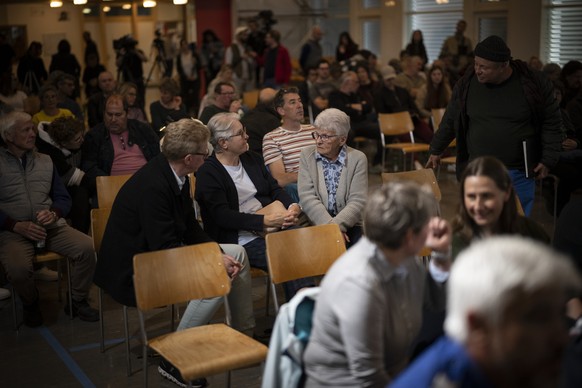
(393, 124)
(437, 117)
(423, 177)
(251, 98)
(108, 187)
(178, 275)
(298, 253)
(192, 179)
(99, 219)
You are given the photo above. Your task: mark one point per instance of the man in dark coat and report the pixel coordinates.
(154, 211)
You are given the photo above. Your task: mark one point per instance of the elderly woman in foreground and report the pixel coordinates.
(369, 309)
(333, 178)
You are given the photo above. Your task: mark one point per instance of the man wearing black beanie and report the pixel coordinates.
(502, 108)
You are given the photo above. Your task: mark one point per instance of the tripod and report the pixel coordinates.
(159, 63)
(31, 83)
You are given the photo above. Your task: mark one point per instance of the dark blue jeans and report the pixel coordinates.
(256, 250)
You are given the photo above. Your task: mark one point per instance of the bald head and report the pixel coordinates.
(106, 82)
(267, 95)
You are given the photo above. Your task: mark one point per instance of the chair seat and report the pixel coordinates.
(453, 143)
(208, 350)
(47, 256)
(449, 160)
(409, 147)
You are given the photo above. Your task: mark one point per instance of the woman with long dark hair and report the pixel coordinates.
(416, 47)
(435, 93)
(346, 47)
(488, 206)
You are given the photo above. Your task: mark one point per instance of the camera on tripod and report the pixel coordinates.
(125, 42)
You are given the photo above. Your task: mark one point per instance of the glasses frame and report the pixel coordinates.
(205, 155)
(324, 138)
(242, 132)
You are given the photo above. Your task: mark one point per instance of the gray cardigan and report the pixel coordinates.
(352, 191)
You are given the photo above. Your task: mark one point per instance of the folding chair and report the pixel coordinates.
(251, 98)
(303, 252)
(108, 187)
(179, 275)
(99, 219)
(424, 177)
(43, 258)
(395, 124)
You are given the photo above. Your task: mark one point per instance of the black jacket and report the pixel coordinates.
(98, 151)
(149, 213)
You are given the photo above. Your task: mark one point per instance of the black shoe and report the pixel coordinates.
(82, 310)
(168, 371)
(32, 315)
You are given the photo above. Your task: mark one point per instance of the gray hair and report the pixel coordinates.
(335, 120)
(395, 208)
(220, 126)
(489, 276)
(347, 76)
(183, 137)
(9, 120)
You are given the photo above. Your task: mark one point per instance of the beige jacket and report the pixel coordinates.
(352, 191)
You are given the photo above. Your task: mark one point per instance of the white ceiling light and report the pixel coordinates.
(180, 2)
(126, 6)
(56, 4)
(79, 2)
(106, 9)
(86, 11)
(149, 3)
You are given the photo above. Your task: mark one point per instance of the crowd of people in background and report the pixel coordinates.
(302, 162)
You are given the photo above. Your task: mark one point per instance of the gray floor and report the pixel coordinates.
(65, 353)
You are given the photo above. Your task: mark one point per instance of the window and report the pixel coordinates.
(436, 21)
(367, 4)
(371, 35)
(561, 39)
(494, 25)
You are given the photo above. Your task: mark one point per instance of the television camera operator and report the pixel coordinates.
(129, 61)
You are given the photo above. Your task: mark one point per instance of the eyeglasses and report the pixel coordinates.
(241, 133)
(317, 136)
(123, 147)
(204, 155)
(226, 93)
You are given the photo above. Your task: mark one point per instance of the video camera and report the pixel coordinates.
(125, 42)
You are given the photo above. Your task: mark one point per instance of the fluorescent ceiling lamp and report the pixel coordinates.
(56, 4)
(79, 2)
(180, 2)
(126, 6)
(149, 3)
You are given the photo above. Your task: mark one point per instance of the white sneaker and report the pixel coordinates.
(4, 293)
(46, 275)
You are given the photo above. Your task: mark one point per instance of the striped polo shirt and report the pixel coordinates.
(287, 145)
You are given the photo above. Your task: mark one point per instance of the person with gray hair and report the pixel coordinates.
(333, 178)
(154, 211)
(33, 204)
(369, 309)
(505, 324)
(239, 200)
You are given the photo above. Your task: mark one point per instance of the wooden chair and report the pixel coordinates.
(251, 98)
(43, 258)
(395, 124)
(108, 187)
(302, 252)
(423, 177)
(99, 219)
(436, 117)
(179, 275)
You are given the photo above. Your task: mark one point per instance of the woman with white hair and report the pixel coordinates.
(239, 199)
(369, 308)
(333, 178)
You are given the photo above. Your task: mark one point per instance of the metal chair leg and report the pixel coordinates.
(275, 301)
(69, 284)
(267, 297)
(127, 349)
(101, 324)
